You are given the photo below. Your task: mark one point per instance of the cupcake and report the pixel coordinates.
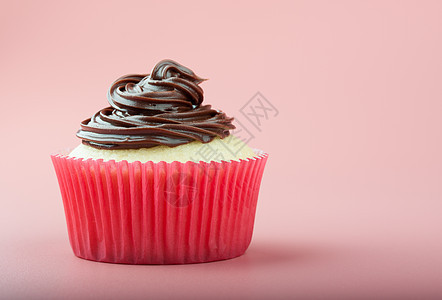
(158, 178)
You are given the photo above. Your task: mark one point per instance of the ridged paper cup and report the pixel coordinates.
(159, 213)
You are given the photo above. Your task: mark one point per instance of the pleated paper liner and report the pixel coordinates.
(159, 213)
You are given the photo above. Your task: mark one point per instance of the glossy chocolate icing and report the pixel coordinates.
(161, 108)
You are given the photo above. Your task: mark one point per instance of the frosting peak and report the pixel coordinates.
(161, 108)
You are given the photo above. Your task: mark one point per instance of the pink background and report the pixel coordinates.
(351, 200)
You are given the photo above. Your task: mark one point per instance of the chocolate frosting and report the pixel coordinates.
(161, 108)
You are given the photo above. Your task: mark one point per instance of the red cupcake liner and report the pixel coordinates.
(159, 213)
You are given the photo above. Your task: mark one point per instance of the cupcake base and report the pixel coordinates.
(159, 213)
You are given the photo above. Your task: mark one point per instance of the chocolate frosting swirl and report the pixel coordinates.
(161, 108)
